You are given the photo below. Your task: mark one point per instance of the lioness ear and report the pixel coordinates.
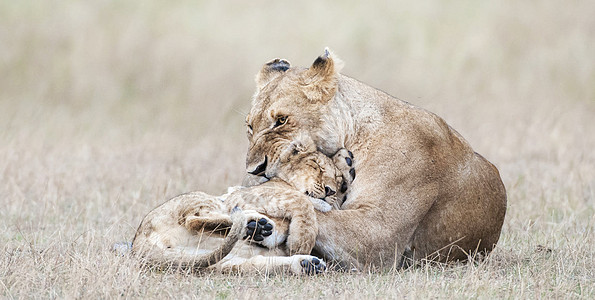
(320, 80)
(271, 70)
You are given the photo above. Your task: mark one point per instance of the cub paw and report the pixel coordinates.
(312, 265)
(321, 205)
(258, 230)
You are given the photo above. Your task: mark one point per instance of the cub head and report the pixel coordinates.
(289, 103)
(310, 172)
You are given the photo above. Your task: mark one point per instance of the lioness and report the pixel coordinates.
(420, 191)
(195, 231)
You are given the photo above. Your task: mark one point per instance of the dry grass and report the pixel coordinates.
(107, 108)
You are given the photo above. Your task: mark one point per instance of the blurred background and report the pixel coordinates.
(109, 107)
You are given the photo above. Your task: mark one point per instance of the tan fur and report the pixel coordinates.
(420, 189)
(194, 231)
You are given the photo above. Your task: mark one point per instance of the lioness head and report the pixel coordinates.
(289, 103)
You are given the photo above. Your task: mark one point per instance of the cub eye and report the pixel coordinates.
(250, 129)
(281, 120)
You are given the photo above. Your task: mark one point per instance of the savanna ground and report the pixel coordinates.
(107, 108)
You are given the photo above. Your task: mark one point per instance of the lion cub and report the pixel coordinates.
(196, 231)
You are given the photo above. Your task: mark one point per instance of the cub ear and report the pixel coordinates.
(296, 147)
(320, 80)
(271, 70)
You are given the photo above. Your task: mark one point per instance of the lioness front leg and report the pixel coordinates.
(369, 230)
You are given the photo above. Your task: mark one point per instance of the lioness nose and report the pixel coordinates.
(261, 168)
(328, 191)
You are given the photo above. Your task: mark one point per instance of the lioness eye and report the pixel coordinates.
(281, 120)
(250, 129)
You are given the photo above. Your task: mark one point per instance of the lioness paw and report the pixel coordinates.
(345, 164)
